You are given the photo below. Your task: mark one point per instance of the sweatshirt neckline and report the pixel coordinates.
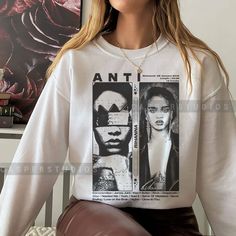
(115, 51)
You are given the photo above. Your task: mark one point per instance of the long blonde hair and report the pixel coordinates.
(166, 19)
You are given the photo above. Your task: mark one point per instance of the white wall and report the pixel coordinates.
(86, 10)
(213, 22)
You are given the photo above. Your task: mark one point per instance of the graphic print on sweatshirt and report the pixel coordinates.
(136, 137)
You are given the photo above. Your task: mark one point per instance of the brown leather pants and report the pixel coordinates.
(87, 218)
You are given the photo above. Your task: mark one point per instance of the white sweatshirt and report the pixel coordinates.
(97, 107)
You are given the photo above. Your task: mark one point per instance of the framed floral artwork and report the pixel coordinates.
(31, 33)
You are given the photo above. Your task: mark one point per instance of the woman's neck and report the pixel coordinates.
(133, 30)
(159, 135)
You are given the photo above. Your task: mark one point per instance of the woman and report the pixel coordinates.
(159, 157)
(128, 41)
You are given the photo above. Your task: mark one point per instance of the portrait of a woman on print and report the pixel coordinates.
(112, 128)
(159, 140)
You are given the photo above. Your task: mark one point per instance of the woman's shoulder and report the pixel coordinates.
(77, 56)
(87, 48)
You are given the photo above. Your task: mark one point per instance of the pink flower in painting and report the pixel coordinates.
(31, 33)
(72, 5)
(14, 7)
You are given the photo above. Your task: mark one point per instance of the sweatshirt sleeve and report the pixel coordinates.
(44, 144)
(216, 171)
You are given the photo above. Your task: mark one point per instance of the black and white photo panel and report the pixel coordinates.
(159, 136)
(112, 136)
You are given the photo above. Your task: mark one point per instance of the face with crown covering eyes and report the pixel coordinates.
(113, 125)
